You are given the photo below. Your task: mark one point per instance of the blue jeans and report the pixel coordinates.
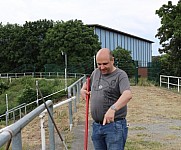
(111, 136)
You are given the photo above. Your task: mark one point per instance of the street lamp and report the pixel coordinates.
(65, 54)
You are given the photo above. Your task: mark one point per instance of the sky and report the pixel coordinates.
(136, 17)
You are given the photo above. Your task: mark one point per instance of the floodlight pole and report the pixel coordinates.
(65, 54)
(65, 71)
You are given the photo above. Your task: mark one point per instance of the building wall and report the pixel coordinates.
(141, 49)
(142, 72)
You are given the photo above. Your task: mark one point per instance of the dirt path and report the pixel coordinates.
(154, 115)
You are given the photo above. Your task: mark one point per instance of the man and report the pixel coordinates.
(110, 93)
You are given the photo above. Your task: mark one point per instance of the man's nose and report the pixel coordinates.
(102, 66)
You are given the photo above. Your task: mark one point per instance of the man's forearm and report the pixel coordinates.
(123, 99)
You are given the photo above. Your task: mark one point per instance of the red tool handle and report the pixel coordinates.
(87, 115)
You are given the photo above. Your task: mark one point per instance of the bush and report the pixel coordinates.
(28, 95)
(3, 87)
(144, 82)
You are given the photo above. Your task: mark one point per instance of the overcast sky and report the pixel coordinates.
(136, 17)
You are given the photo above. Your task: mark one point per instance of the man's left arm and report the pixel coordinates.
(120, 103)
(123, 99)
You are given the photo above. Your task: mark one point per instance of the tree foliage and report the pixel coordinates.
(40, 42)
(73, 38)
(21, 44)
(9, 45)
(34, 34)
(164, 62)
(169, 33)
(123, 60)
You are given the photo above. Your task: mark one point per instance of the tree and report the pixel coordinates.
(164, 62)
(124, 61)
(40, 42)
(34, 34)
(169, 33)
(21, 44)
(10, 45)
(74, 38)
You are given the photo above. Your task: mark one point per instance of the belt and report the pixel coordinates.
(116, 119)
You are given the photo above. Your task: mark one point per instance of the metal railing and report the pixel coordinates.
(14, 131)
(22, 109)
(171, 82)
(42, 122)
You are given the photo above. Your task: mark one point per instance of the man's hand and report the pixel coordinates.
(83, 93)
(109, 116)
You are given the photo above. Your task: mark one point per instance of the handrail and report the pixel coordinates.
(14, 131)
(42, 121)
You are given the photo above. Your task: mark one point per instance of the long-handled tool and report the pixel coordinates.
(52, 119)
(87, 115)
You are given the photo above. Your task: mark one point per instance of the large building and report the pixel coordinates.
(141, 49)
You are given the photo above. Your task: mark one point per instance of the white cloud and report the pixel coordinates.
(135, 17)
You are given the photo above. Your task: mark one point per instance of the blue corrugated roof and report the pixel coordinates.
(117, 31)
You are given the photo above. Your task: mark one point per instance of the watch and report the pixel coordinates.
(113, 107)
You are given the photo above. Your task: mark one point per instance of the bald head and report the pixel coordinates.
(105, 61)
(104, 52)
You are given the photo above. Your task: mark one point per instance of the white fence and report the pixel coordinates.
(171, 82)
(22, 109)
(38, 75)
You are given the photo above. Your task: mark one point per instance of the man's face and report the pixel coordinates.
(105, 65)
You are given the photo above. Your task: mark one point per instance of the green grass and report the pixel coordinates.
(175, 127)
(18, 85)
(137, 128)
(139, 142)
(144, 82)
(142, 145)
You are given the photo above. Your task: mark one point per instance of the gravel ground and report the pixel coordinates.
(78, 142)
(153, 115)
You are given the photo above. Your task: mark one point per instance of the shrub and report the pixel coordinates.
(3, 87)
(28, 95)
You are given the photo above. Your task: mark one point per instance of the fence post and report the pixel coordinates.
(42, 121)
(178, 84)
(136, 72)
(78, 92)
(37, 93)
(75, 101)
(7, 111)
(168, 83)
(70, 115)
(70, 109)
(51, 129)
(160, 80)
(17, 142)
(20, 113)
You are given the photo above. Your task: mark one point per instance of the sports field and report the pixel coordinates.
(154, 116)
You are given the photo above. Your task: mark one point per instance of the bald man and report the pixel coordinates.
(110, 93)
